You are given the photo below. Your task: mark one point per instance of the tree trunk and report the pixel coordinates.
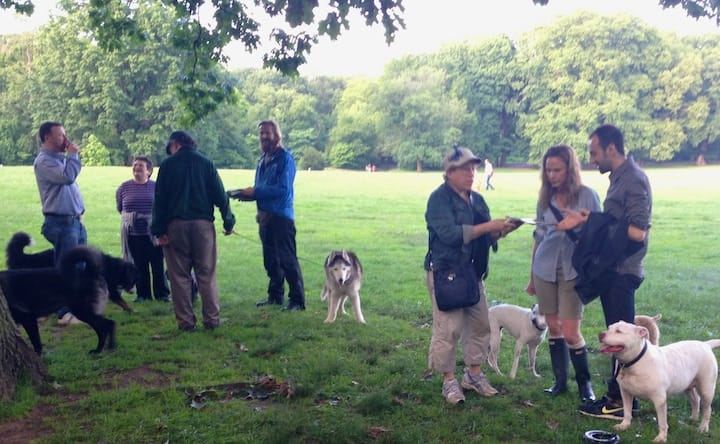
(16, 357)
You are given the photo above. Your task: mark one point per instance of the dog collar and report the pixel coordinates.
(534, 322)
(629, 363)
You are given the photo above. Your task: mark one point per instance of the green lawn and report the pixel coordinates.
(350, 383)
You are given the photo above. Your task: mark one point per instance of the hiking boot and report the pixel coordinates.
(452, 392)
(607, 408)
(478, 383)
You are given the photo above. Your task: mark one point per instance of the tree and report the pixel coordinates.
(124, 98)
(421, 119)
(484, 74)
(694, 8)
(17, 358)
(17, 141)
(354, 138)
(585, 70)
(95, 153)
(702, 125)
(115, 24)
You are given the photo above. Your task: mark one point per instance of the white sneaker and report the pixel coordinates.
(69, 319)
(452, 392)
(478, 383)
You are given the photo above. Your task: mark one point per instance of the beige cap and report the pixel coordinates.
(459, 157)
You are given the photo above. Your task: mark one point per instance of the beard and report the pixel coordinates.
(267, 145)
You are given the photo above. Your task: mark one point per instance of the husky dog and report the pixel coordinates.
(650, 372)
(526, 325)
(343, 278)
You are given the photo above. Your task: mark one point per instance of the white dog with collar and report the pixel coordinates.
(526, 325)
(651, 372)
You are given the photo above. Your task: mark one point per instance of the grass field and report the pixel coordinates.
(350, 383)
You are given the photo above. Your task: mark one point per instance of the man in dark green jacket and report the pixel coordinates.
(187, 190)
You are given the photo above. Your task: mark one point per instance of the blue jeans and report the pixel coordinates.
(64, 233)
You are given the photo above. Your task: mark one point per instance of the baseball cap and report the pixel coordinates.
(459, 157)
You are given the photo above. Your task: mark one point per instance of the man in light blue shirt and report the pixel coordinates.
(57, 167)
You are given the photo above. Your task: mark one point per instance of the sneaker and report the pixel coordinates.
(452, 392)
(478, 383)
(607, 408)
(69, 319)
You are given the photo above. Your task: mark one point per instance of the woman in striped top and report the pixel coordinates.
(134, 202)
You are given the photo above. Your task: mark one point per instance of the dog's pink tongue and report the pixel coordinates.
(610, 348)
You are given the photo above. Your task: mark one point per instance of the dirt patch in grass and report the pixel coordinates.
(142, 376)
(28, 428)
(36, 424)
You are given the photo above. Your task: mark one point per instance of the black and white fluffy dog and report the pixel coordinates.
(118, 274)
(77, 283)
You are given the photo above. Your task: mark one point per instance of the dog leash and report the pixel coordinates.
(255, 241)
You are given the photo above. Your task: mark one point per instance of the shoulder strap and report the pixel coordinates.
(558, 215)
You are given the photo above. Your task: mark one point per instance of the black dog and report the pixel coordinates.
(77, 283)
(117, 272)
(17, 258)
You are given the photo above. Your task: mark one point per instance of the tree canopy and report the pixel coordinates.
(206, 28)
(506, 99)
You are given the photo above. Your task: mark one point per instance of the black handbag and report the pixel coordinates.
(456, 287)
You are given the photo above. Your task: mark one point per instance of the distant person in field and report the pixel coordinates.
(489, 172)
(57, 167)
(552, 276)
(273, 192)
(134, 200)
(629, 202)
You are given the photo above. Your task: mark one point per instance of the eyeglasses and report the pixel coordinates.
(468, 168)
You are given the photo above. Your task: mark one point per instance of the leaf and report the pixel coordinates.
(376, 431)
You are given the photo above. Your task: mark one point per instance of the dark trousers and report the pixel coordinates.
(147, 257)
(277, 235)
(618, 303)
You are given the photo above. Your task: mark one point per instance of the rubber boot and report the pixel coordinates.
(578, 356)
(560, 364)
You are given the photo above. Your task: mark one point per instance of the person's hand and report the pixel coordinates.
(530, 289)
(573, 219)
(72, 147)
(509, 226)
(228, 232)
(249, 191)
(163, 240)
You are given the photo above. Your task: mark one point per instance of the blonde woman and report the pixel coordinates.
(552, 277)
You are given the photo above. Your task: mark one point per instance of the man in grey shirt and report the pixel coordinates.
(57, 167)
(628, 199)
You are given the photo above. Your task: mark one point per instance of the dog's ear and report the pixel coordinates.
(642, 331)
(345, 256)
(331, 257)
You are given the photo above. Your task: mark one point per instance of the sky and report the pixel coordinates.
(430, 24)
